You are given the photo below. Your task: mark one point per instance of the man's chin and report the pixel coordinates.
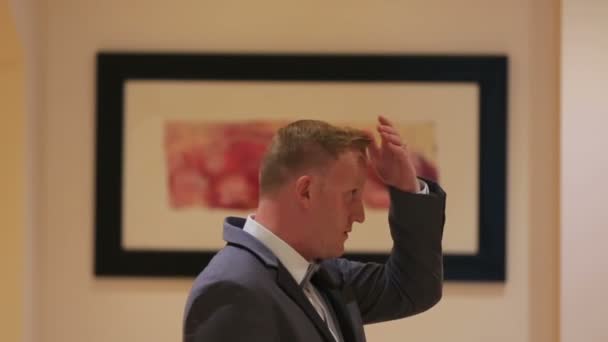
(339, 253)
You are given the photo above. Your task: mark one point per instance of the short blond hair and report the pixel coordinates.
(306, 144)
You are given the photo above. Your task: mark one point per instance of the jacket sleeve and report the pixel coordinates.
(411, 279)
(227, 312)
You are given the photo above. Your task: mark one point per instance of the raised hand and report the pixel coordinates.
(392, 160)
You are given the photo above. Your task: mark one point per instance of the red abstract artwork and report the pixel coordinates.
(215, 165)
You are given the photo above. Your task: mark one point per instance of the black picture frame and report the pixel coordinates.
(113, 69)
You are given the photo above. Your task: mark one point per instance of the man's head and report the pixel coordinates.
(311, 182)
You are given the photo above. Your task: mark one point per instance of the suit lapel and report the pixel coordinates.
(286, 282)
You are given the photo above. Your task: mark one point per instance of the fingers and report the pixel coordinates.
(385, 125)
(389, 134)
(396, 148)
(387, 129)
(385, 121)
(390, 138)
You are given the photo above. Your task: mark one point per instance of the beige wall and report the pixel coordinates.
(584, 166)
(72, 305)
(12, 169)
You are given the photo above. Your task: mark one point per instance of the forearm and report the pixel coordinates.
(416, 262)
(411, 279)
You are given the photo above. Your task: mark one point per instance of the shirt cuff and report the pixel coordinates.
(424, 188)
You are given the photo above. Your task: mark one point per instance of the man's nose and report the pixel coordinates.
(359, 212)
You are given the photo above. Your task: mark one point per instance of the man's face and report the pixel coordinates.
(339, 204)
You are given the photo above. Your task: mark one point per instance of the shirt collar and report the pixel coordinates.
(299, 268)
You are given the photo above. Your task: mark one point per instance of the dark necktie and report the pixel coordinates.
(324, 282)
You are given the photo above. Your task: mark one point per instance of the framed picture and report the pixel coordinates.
(180, 138)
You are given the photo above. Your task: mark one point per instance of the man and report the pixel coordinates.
(280, 277)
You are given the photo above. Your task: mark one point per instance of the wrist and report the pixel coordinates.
(411, 186)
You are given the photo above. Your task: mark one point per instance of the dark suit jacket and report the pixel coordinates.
(246, 294)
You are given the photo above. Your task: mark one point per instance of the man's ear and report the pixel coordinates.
(303, 188)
